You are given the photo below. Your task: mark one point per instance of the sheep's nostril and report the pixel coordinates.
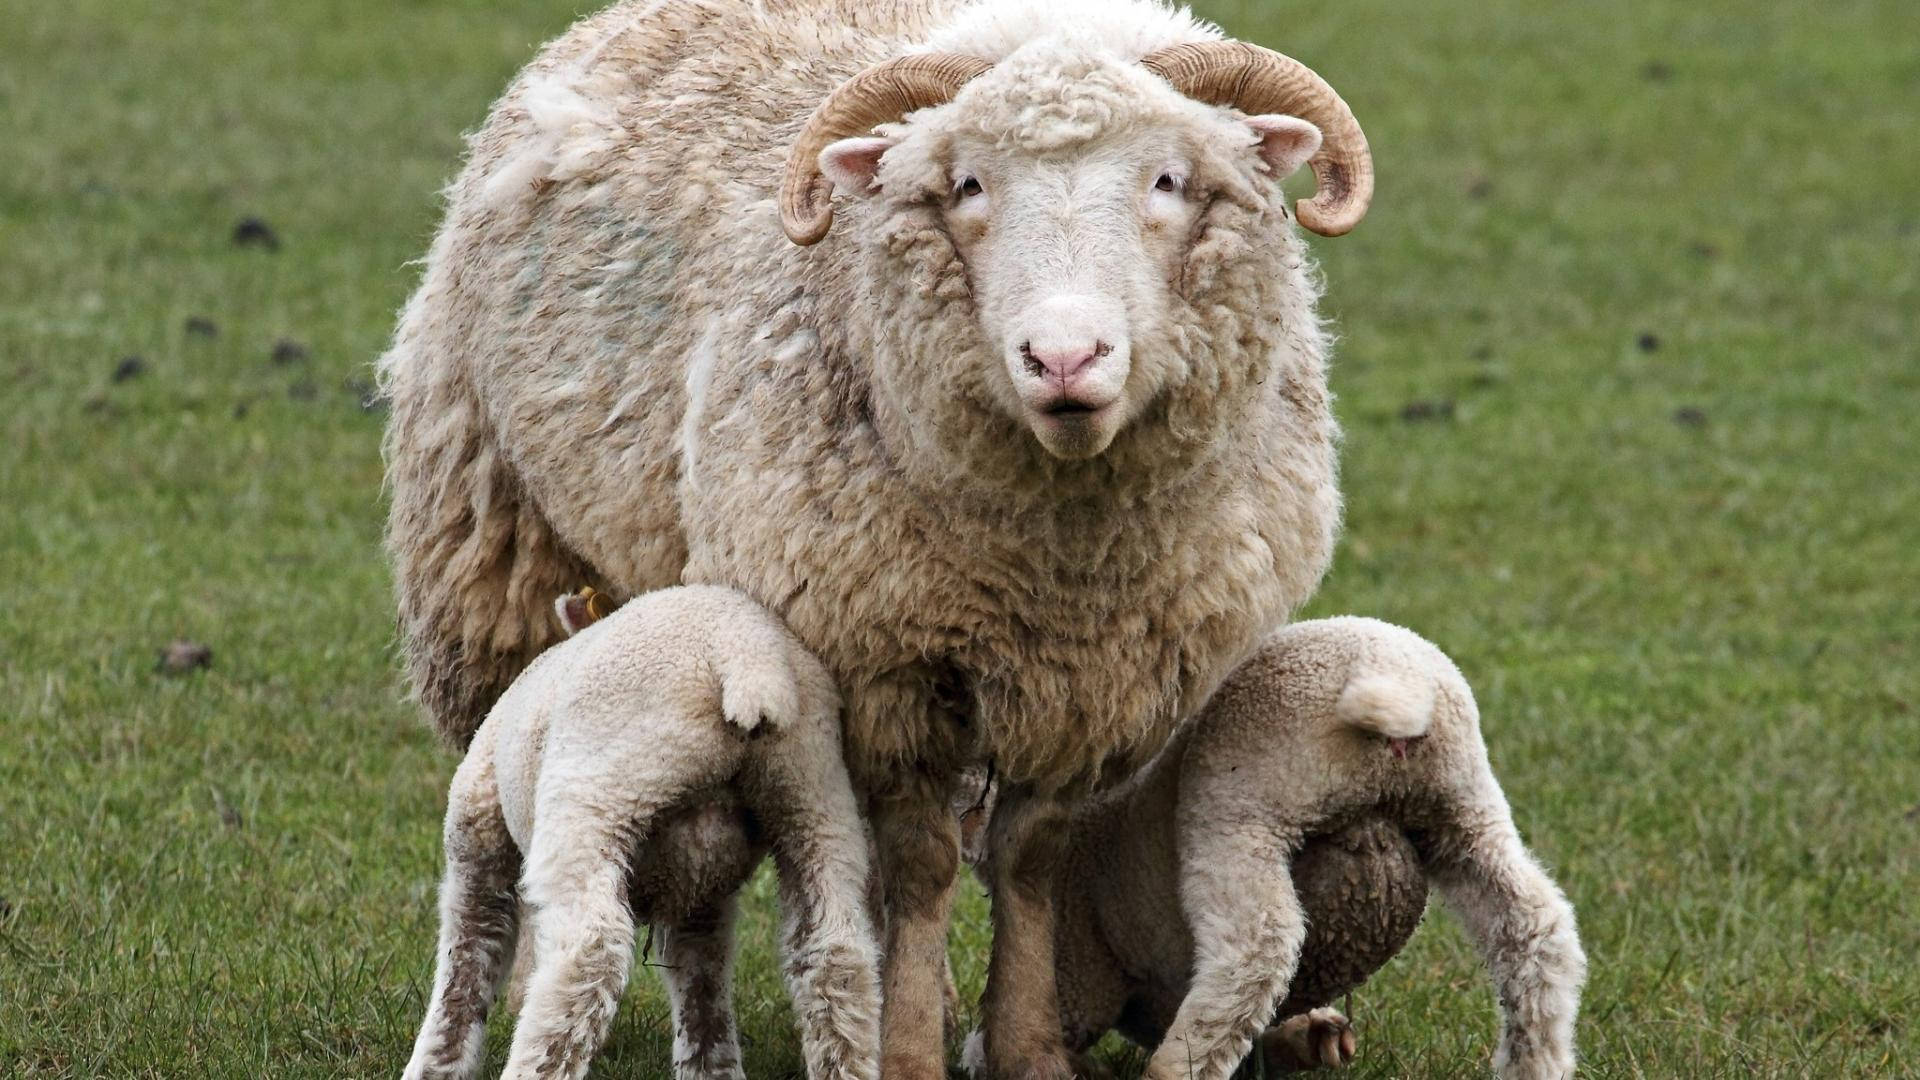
(1101, 349)
(1034, 366)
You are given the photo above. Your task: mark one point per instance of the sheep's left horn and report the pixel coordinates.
(886, 91)
(1256, 80)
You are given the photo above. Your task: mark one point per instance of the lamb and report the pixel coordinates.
(1027, 438)
(1209, 894)
(642, 769)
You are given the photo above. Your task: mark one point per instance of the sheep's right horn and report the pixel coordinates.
(1256, 80)
(884, 92)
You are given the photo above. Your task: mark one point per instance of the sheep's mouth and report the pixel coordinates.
(1073, 429)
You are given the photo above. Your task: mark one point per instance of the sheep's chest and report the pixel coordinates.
(1061, 671)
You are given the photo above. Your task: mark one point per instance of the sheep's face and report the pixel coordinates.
(1073, 190)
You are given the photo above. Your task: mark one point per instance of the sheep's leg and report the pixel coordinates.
(585, 930)
(951, 1005)
(1524, 929)
(697, 966)
(1247, 927)
(918, 849)
(1026, 844)
(479, 913)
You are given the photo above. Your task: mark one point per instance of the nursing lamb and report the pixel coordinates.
(642, 769)
(1029, 448)
(1208, 897)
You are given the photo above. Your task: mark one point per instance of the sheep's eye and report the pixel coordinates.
(967, 188)
(1167, 182)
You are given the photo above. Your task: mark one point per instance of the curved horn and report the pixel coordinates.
(1256, 80)
(886, 91)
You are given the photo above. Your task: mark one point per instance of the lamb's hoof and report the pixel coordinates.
(1321, 1039)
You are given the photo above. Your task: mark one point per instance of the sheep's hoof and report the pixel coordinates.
(1321, 1039)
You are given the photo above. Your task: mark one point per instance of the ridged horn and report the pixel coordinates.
(1256, 80)
(882, 93)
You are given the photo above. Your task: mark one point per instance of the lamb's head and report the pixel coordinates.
(1075, 201)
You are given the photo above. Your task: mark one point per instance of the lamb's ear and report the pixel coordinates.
(572, 612)
(1286, 142)
(577, 611)
(854, 164)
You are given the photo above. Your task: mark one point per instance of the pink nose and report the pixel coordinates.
(1063, 363)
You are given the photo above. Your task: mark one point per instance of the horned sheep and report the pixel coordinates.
(1215, 892)
(642, 769)
(1029, 449)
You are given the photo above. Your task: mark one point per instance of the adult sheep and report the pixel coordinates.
(1030, 450)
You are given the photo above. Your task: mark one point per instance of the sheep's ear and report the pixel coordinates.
(1286, 142)
(854, 164)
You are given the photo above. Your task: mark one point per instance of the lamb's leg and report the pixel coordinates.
(1026, 843)
(918, 849)
(820, 849)
(590, 815)
(518, 973)
(478, 916)
(1524, 929)
(1247, 930)
(578, 906)
(697, 966)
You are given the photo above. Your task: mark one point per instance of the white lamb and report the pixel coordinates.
(641, 770)
(1185, 896)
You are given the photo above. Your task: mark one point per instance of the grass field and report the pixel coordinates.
(1629, 377)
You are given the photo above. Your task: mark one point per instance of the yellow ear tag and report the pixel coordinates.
(599, 605)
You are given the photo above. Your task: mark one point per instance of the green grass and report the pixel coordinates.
(1694, 642)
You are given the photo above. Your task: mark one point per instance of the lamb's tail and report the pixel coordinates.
(768, 678)
(757, 690)
(1393, 704)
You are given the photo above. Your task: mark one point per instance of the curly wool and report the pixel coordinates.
(617, 370)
